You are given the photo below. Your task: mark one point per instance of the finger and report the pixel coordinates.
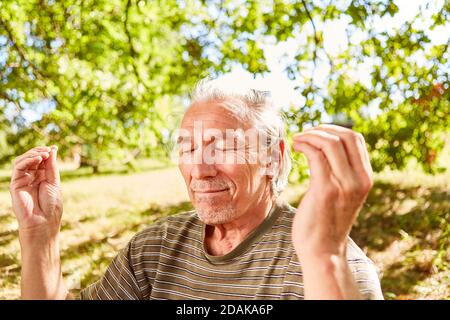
(41, 166)
(28, 179)
(23, 181)
(51, 166)
(30, 154)
(355, 149)
(27, 176)
(319, 167)
(38, 178)
(333, 149)
(367, 164)
(22, 168)
(32, 151)
(41, 148)
(27, 163)
(36, 166)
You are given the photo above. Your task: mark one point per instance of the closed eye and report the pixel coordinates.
(189, 150)
(186, 148)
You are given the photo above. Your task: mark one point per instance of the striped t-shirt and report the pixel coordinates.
(168, 260)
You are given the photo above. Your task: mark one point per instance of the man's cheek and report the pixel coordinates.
(185, 172)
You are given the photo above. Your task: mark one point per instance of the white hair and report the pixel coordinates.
(251, 106)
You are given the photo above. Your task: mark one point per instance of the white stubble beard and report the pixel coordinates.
(213, 214)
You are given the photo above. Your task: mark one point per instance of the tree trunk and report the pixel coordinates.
(86, 162)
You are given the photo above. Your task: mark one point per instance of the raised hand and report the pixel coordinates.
(36, 191)
(340, 179)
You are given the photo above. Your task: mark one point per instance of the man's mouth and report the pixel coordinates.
(210, 190)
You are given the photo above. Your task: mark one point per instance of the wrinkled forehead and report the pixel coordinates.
(212, 115)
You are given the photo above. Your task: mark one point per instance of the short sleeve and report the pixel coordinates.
(365, 273)
(118, 283)
(366, 277)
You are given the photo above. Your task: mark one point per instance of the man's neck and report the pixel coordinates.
(223, 238)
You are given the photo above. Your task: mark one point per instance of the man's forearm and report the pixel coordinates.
(41, 269)
(328, 277)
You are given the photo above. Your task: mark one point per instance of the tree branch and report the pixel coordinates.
(316, 37)
(133, 52)
(20, 50)
(19, 110)
(34, 69)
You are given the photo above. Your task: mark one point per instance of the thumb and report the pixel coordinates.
(51, 166)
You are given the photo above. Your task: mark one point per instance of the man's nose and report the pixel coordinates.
(203, 170)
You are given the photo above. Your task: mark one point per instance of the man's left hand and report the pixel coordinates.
(340, 179)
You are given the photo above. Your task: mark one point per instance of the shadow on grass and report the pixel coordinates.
(393, 213)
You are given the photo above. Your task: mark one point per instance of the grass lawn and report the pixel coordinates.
(404, 226)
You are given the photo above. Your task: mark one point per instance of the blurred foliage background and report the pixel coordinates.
(107, 81)
(103, 76)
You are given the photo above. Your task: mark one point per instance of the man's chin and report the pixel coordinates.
(215, 216)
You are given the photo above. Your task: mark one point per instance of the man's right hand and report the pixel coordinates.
(36, 192)
(37, 202)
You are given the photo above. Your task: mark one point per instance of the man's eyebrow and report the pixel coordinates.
(181, 140)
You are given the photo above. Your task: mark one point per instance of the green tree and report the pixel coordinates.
(104, 70)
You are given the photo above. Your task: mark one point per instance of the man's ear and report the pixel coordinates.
(277, 154)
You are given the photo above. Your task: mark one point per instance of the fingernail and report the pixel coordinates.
(54, 147)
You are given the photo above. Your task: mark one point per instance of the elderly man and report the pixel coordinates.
(241, 241)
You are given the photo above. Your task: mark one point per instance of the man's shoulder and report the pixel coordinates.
(354, 252)
(364, 271)
(287, 212)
